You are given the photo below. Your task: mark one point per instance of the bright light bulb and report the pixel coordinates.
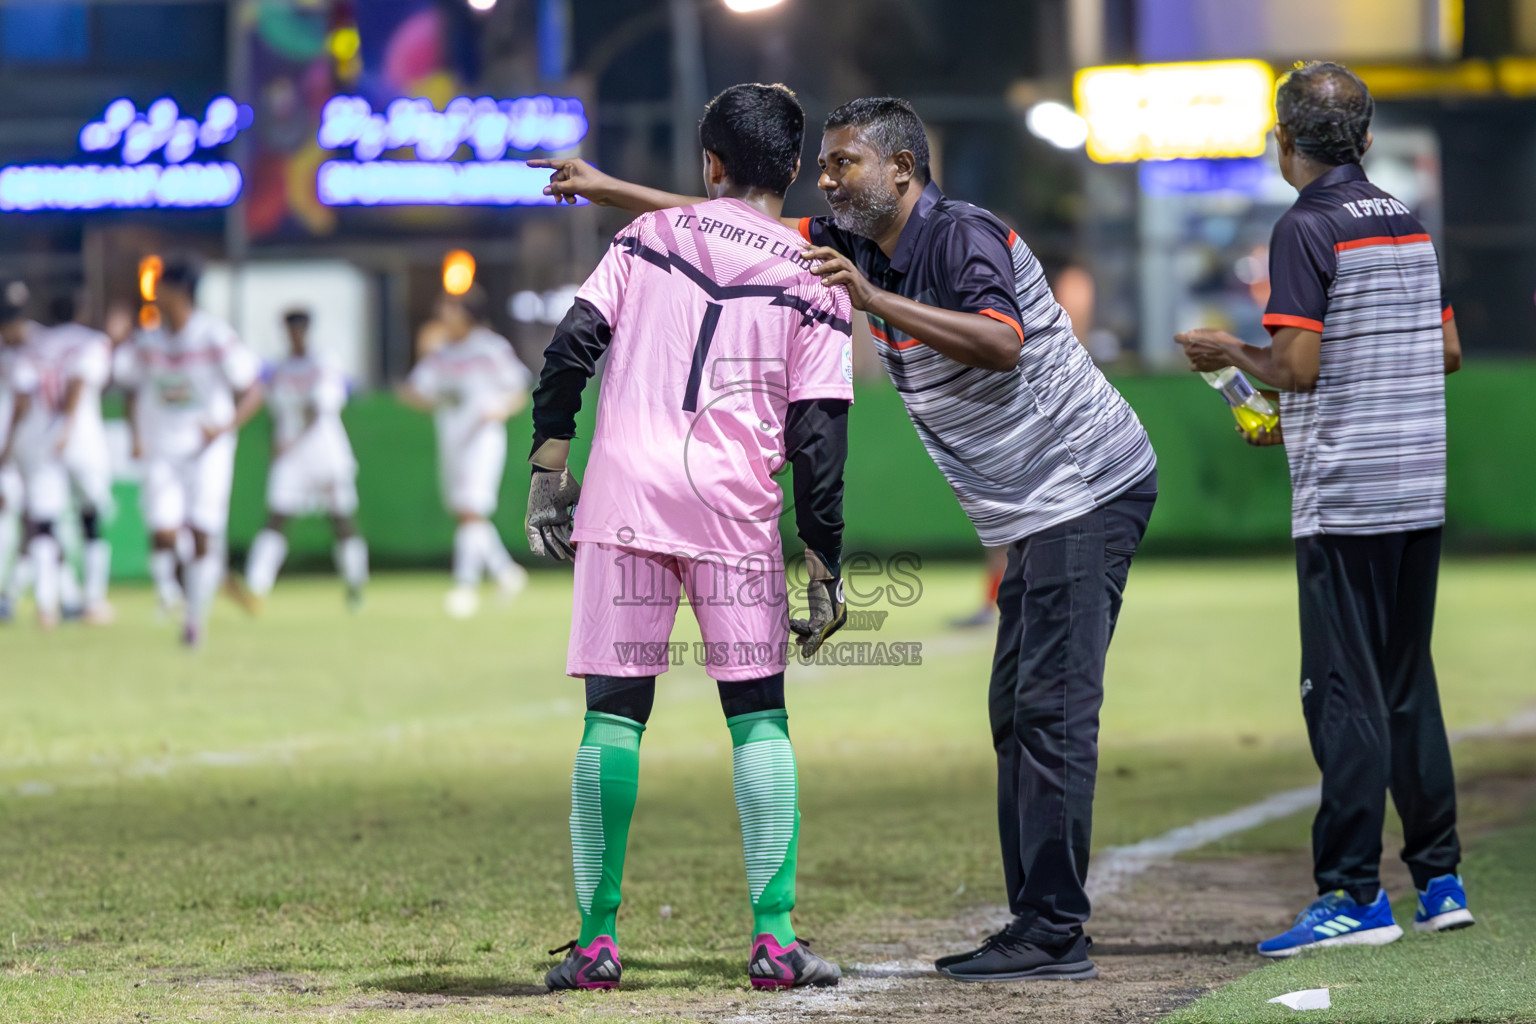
(1057, 124)
(748, 6)
(458, 272)
(482, 5)
(149, 277)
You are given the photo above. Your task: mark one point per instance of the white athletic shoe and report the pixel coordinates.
(462, 602)
(102, 614)
(511, 583)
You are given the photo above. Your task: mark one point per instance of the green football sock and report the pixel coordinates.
(767, 798)
(603, 791)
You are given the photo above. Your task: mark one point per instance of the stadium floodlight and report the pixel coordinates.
(750, 6)
(1215, 109)
(1057, 124)
(458, 272)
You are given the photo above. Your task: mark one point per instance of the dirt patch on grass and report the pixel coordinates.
(1171, 935)
(1175, 933)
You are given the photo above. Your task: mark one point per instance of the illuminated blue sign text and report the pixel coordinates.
(436, 183)
(134, 184)
(489, 127)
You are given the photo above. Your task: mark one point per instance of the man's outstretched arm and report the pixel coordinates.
(574, 178)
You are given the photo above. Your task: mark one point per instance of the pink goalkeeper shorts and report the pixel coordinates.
(626, 602)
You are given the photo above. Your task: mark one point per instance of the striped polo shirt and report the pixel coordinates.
(1024, 449)
(1367, 445)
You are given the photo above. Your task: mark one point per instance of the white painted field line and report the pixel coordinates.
(1114, 867)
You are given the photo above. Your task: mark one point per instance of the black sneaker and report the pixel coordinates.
(955, 958)
(773, 966)
(594, 967)
(1008, 956)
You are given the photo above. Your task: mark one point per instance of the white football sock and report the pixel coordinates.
(466, 556)
(492, 551)
(203, 578)
(162, 568)
(265, 561)
(70, 595)
(47, 562)
(22, 575)
(98, 571)
(10, 554)
(352, 561)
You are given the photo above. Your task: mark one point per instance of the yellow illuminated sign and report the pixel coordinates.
(1176, 111)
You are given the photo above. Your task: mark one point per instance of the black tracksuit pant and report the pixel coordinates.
(1372, 706)
(1057, 607)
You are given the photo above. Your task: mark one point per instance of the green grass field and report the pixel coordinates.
(321, 815)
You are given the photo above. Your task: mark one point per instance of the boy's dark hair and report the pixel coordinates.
(1328, 111)
(182, 272)
(296, 316)
(757, 131)
(888, 124)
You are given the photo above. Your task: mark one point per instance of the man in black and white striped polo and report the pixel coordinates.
(1044, 455)
(1362, 341)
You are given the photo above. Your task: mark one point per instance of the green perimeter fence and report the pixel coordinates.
(1217, 495)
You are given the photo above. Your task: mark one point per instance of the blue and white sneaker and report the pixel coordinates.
(1336, 920)
(1443, 906)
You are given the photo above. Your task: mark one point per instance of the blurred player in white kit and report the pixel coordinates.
(20, 403)
(473, 384)
(80, 358)
(192, 384)
(313, 469)
(11, 502)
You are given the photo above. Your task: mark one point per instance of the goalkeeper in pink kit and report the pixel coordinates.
(727, 360)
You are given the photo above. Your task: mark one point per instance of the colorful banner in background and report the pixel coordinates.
(304, 55)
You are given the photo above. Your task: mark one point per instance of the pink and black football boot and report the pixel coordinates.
(590, 967)
(773, 966)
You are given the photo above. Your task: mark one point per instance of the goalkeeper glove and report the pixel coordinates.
(828, 612)
(552, 497)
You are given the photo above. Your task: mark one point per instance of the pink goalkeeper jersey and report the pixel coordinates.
(717, 326)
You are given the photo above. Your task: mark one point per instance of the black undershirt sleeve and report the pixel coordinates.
(569, 362)
(817, 434)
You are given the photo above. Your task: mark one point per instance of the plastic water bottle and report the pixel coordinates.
(1254, 413)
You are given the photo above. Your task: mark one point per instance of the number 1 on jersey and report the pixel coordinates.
(700, 355)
